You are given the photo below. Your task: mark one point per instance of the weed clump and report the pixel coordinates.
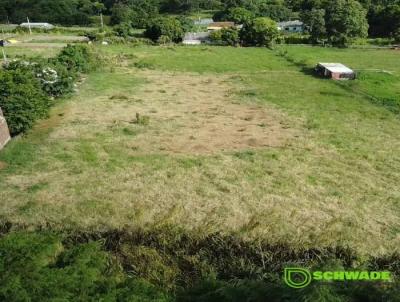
(143, 120)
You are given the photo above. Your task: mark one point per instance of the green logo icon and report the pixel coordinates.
(297, 277)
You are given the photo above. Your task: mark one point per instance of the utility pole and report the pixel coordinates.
(29, 25)
(101, 20)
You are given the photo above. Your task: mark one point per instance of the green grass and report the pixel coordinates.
(204, 59)
(333, 183)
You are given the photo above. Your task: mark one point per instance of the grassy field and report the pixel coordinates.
(39, 44)
(235, 140)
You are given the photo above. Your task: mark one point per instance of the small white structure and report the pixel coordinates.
(295, 26)
(336, 71)
(195, 38)
(37, 25)
(204, 22)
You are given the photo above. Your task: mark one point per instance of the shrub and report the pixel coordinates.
(260, 32)
(77, 58)
(54, 77)
(165, 26)
(38, 267)
(22, 99)
(296, 38)
(226, 36)
(25, 86)
(124, 30)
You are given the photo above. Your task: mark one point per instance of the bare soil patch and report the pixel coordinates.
(199, 114)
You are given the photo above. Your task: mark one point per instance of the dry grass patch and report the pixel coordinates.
(185, 113)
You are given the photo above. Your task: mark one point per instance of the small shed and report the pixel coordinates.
(4, 132)
(220, 25)
(37, 25)
(336, 71)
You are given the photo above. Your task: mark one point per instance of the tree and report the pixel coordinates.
(239, 15)
(226, 36)
(259, 32)
(167, 27)
(315, 24)
(121, 13)
(345, 21)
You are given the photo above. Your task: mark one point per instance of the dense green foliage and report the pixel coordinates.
(259, 32)
(315, 21)
(382, 16)
(226, 36)
(22, 100)
(345, 20)
(26, 86)
(77, 58)
(38, 267)
(166, 29)
(75, 12)
(44, 266)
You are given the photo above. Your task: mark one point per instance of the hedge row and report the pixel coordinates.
(28, 88)
(173, 266)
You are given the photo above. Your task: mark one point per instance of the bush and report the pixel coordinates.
(226, 36)
(260, 32)
(77, 58)
(296, 38)
(22, 100)
(165, 26)
(26, 86)
(124, 30)
(54, 78)
(38, 267)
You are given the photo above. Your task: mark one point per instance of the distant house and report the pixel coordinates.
(335, 71)
(295, 26)
(205, 21)
(195, 38)
(37, 25)
(4, 132)
(220, 25)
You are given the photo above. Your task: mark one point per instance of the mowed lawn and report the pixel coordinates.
(214, 139)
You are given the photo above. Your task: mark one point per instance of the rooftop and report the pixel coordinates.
(222, 24)
(205, 21)
(336, 67)
(290, 23)
(43, 24)
(196, 36)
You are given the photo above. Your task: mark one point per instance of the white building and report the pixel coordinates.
(37, 25)
(195, 38)
(295, 26)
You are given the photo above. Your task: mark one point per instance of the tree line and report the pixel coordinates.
(379, 18)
